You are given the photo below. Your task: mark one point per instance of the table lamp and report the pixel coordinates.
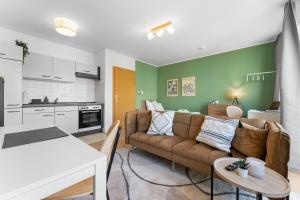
(236, 94)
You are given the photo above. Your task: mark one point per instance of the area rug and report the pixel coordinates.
(138, 175)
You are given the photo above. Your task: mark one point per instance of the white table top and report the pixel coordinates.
(25, 167)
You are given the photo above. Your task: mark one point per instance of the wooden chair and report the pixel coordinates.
(86, 187)
(110, 146)
(234, 112)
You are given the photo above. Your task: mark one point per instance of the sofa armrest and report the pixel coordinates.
(278, 149)
(130, 124)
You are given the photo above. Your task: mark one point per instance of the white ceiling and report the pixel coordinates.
(121, 25)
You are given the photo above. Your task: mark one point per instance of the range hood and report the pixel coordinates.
(89, 76)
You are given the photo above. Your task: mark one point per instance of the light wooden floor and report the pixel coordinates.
(96, 141)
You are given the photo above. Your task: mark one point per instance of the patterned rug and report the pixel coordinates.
(138, 175)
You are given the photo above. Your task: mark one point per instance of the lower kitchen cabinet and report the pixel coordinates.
(40, 118)
(12, 116)
(67, 120)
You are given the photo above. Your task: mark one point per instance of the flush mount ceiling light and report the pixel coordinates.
(65, 27)
(160, 30)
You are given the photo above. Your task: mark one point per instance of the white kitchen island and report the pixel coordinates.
(37, 170)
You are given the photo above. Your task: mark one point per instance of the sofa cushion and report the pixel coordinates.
(251, 142)
(164, 142)
(195, 126)
(143, 121)
(278, 149)
(181, 124)
(198, 152)
(161, 123)
(160, 141)
(217, 132)
(258, 123)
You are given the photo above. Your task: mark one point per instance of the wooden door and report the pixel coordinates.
(124, 93)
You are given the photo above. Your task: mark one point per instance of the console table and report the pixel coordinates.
(272, 185)
(217, 109)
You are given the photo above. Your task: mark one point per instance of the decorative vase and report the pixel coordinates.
(256, 167)
(243, 172)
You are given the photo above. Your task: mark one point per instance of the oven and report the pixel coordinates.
(90, 118)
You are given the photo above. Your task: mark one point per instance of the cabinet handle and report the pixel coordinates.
(13, 104)
(87, 71)
(47, 115)
(2, 54)
(60, 114)
(58, 77)
(46, 76)
(39, 109)
(14, 111)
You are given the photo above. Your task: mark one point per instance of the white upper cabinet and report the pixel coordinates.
(85, 68)
(37, 66)
(11, 71)
(43, 67)
(11, 51)
(63, 70)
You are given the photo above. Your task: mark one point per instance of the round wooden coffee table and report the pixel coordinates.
(272, 185)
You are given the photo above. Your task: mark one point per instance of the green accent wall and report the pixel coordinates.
(146, 80)
(216, 76)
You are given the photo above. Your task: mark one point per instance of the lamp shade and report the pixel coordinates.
(65, 27)
(236, 94)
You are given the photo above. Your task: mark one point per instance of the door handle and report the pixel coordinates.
(39, 109)
(58, 77)
(60, 114)
(13, 104)
(87, 71)
(47, 115)
(46, 76)
(13, 111)
(116, 98)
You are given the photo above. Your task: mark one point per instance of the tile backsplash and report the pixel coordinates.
(83, 90)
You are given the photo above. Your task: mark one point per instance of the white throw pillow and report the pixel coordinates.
(161, 123)
(150, 105)
(218, 132)
(159, 107)
(154, 105)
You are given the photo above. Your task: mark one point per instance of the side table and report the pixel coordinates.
(272, 185)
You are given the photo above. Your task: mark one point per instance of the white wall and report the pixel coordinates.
(100, 85)
(112, 59)
(39, 45)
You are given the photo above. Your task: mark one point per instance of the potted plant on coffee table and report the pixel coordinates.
(243, 168)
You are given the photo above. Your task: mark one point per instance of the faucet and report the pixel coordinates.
(55, 101)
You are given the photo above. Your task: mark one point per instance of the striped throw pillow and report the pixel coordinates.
(218, 132)
(161, 123)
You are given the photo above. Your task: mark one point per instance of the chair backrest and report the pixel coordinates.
(234, 112)
(110, 144)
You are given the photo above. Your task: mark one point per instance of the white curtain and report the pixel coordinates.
(278, 52)
(290, 83)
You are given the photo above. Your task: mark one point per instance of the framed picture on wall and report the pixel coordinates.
(188, 86)
(172, 87)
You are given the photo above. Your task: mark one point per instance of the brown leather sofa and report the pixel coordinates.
(183, 149)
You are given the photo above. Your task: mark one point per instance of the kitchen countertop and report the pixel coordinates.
(61, 104)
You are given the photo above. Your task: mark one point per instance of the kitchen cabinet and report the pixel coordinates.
(37, 66)
(63, 70)
(41, 115)
(66, 118)
(86, 68)
(11, 71)
(12, 116)
(10, 51)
